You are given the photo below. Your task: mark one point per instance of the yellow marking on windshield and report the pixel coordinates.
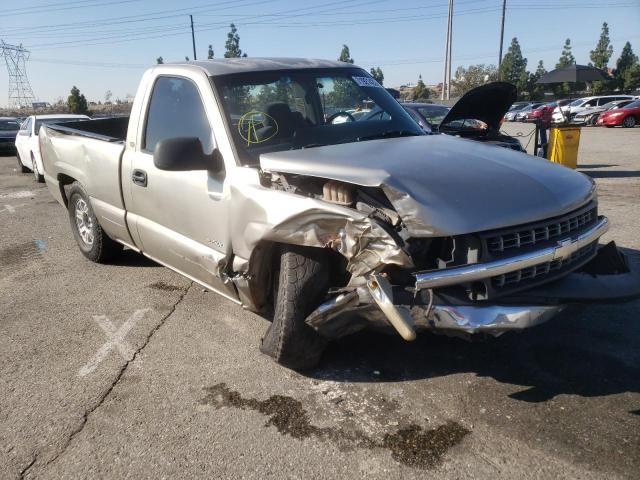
(251, 122)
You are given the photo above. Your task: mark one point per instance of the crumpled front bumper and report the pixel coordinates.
(612, 275)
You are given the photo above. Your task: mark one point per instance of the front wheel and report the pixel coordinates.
(303, 282)
(93, 242)
(629, 122)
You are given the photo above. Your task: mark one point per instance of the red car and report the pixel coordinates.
(543, 112)
(628, 116)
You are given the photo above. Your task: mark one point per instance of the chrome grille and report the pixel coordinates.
(549, 268)
(539, 232)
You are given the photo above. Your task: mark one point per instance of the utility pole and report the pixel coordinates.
(193, 38)
(450, 46)
(446, 54)
(504, 7)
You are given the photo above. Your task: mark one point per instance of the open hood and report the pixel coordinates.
(487, 103)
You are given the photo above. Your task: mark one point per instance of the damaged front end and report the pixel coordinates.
(402, 276)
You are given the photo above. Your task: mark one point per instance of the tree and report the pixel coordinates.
(513, 68)
(345, 55)
(210, 53)
(600, 56)
(473, 76)
(159, 61)
(632, 78)
(107, 96)
(186, 58)
(535, 90)
(76, 103)
(626, 63)
(232, 45)
(420, 91)
(376, 72)
(566, 57)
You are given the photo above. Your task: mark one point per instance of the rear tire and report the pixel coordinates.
(39, 177)
(629, 122)
(303, 282)
(93, 242)
(21, 166)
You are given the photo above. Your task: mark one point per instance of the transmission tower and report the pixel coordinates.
(20, 93)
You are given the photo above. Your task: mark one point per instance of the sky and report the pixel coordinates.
(101, 45)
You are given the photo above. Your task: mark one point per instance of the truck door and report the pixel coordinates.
(179, 219)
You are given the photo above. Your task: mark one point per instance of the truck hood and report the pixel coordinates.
(442, 185)
(487, 103)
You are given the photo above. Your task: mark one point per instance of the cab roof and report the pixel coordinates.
(224, 66)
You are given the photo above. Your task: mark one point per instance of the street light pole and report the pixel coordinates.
(450, 46)
(504, 7)
(446, 76)
(193, 38)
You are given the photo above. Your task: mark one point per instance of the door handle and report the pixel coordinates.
(139, 177)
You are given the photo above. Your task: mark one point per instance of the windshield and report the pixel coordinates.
(9, 125)
(517, 106)
(304, 108)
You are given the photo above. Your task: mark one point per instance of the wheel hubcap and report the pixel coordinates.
(84, 222)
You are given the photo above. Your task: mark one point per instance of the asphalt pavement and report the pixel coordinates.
(129, 370)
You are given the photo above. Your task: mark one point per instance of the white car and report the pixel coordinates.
(27, 145)
(584, 104)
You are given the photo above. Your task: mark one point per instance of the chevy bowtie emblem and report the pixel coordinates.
(565, 248)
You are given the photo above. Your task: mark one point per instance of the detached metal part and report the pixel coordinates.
(398, 316)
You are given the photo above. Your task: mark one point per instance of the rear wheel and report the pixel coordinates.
(21, 166)
(39, 177)
(93, 242)
(302, 283)
(629, 122)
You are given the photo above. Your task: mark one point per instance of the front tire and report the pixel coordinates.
(93, 242)
(39, 177)
(303, 282)
(629, 122)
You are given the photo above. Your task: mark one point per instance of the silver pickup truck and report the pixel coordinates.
(258, 179)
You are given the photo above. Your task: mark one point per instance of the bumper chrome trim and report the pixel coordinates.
(493, 319)
(482, 271)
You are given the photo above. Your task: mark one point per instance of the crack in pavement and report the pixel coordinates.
(85, 417)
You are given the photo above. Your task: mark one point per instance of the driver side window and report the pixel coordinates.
(176, 110)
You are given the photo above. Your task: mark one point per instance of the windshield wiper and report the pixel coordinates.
(389, 134)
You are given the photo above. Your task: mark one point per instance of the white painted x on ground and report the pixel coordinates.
(115, 340)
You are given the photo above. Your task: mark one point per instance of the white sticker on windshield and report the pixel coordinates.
(366, 82)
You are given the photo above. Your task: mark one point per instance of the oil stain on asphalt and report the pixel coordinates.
(17, 254)
(411, 445)
(165, 287)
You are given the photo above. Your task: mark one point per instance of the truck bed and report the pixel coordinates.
(112, 129)
(89, 152)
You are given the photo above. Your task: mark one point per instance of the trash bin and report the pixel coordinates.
(563, 146)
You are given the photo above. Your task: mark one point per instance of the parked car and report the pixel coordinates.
(522, 114)
(27, 145)
(9, 127)
(628, 116)
(428, 115)
(479, 113)
(510, 116)
(590, 117)
(333, 227)
(585, 104)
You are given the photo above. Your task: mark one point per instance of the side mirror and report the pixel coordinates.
(182, 154)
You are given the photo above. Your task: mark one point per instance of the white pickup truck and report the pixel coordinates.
(253, 178)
